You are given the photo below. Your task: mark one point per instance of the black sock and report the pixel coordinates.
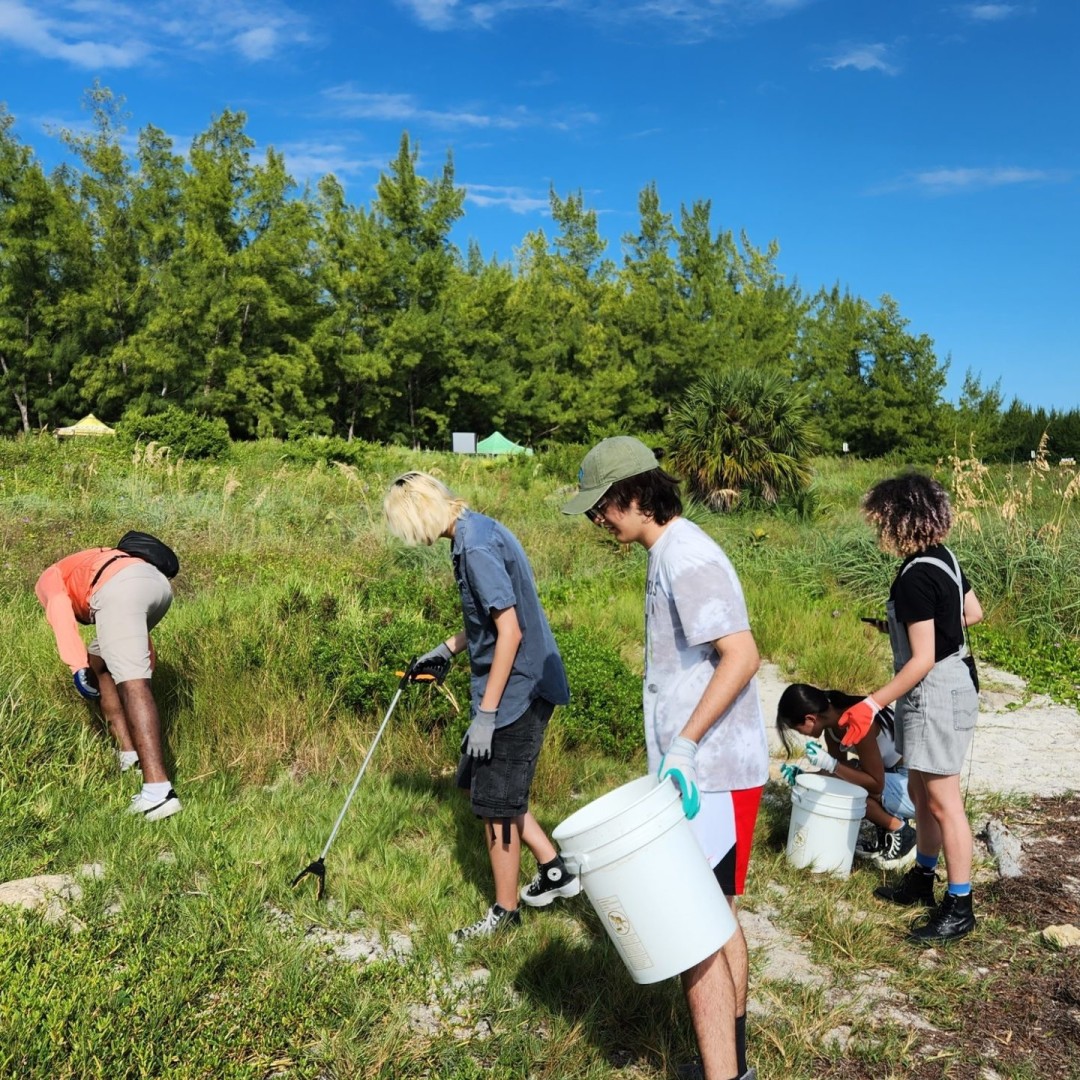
(740, 1043)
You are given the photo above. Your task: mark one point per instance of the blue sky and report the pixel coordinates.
(927, 150)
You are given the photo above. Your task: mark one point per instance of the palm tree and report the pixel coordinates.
(742, 429)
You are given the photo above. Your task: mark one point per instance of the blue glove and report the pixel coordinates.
(435, 664)
(789, 772)
(817, 755)
(477, 741)
(680, 764)
(86, 683)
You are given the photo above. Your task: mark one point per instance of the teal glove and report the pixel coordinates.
(817, 755)
(680, 764)
(789, 772)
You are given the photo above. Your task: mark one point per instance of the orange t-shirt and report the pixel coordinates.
(65, 590)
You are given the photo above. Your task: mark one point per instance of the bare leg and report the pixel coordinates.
(877, 813)
(710, 996)
(536, 840)
(926, 823)
(505, 860)
(144, 726)
(738, 961)
(946, 804)
(111, 708)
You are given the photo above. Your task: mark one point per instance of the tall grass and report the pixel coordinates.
(293, 610)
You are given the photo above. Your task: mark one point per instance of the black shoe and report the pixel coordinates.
(915, 887)
(497, 919)
(952, 918)
(552, 880)
(898, 848)
(871, 837)
(695, 1071)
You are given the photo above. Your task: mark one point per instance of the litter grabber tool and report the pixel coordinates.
(317, 869)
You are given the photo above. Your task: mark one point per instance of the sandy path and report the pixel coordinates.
(1019, 746)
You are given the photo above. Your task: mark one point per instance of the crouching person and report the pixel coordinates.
(517, 680)
(124, 597)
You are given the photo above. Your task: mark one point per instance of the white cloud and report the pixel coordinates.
(106, 34)
(947, 181)
(962, 180)
(863, 58)
(689, 20)
(33, 31)
(435, 14)
(310, 159)
(259, 43)
(991, 12)
(352, 104)
(515, 199)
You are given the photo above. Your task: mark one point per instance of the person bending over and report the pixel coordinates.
(878, 768)
(517, 680)
(124, 598)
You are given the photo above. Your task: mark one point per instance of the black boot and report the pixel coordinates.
(915, 887)
(952, 918)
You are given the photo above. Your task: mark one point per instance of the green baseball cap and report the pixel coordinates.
(605, 464)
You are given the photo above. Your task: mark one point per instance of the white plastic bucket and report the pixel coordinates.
(645, 874)
(825, 816)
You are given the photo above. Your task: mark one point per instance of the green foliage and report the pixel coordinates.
(203, 277)
(742, 429)
(186, 434)
(605, 704)
(313, 448)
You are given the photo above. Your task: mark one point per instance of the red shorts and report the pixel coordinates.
(731, 870)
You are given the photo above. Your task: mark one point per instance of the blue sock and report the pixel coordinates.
(959, 888)
(927, 862)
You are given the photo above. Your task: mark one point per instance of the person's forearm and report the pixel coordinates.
(69, 643)
(862, 779)
(739, 662)
(456, 643)
(507, 641)
(908, 677)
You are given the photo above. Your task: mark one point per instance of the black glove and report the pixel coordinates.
(432, 665)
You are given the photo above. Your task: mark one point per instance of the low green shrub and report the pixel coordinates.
(605, 696)
(186, 434)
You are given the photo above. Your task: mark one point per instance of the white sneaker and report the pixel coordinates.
(155, 811)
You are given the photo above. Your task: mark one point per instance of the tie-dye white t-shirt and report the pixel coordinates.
(693, 598)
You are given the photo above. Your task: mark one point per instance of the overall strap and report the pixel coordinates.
(952, 572)
(106, 563)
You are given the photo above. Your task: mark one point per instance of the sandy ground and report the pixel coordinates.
(1022, 744)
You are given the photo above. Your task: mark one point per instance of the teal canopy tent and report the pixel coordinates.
(497, 443)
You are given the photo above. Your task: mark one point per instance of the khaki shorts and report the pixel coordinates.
(124, 611)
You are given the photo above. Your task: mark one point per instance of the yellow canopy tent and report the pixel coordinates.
(88, 425)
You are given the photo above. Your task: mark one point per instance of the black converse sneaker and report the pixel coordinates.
(496, 919)
(552, 880)
(898, 848)
(870, 840)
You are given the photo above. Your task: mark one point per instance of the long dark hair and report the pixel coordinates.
(801, 699)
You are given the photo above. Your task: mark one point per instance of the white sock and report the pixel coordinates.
(127, 759)
(156, 793)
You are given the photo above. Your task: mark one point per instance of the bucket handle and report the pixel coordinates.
(796, 796)
(576, 863)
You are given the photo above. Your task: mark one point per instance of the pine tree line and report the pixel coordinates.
(212, 283)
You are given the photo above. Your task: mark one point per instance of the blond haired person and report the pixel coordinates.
(517, 680)
(930, 605)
